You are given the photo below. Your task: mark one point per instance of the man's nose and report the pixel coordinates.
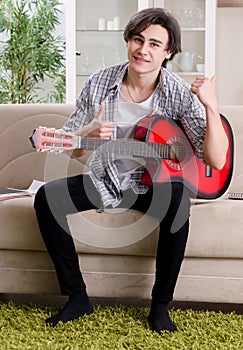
(144, 47)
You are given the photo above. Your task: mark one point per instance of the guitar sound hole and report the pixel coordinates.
(178, 152)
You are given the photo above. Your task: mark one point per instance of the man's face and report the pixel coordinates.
(148, 49)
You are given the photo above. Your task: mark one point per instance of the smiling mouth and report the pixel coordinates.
(140, 59)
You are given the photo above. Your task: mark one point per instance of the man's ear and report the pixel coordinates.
(168, 55)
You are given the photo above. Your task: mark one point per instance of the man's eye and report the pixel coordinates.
(138, 40)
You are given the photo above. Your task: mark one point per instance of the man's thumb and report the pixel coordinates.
(101, 111)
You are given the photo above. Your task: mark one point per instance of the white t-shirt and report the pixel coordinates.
(129, 114)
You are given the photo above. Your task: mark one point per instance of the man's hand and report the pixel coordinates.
(204, 88)
(215, 142)
(97, 128)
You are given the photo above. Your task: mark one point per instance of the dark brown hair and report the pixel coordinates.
(144, 18)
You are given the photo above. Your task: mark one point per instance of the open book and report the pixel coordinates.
(10, 193)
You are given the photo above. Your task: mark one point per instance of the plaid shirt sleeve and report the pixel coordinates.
(83, 113)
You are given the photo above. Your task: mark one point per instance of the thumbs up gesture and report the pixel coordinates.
(204, 88)
(97, 128)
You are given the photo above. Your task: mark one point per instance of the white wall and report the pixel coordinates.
(229, 55)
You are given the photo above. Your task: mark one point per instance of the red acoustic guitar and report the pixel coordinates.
(169, 154)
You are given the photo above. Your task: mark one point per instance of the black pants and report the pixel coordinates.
(169, 202)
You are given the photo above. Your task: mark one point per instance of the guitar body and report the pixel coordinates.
(202, 180)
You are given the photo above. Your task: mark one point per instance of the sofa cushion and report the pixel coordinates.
(18, 220)
(126, 232)
(19, 228)
(215, 230)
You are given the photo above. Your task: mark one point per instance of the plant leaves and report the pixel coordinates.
(31, 52)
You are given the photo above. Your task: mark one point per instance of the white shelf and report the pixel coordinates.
(99, 31)
(189, 73)
(193, 29)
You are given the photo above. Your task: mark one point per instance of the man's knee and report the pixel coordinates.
(40, 198)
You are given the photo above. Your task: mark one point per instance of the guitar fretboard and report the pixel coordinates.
(127, 147)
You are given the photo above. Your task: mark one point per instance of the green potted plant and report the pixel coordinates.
(30, 53)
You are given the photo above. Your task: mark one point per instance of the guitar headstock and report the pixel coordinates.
(55, 140)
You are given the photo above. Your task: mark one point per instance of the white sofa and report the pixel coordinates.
(116, 262)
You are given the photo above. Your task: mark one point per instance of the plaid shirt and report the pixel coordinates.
(172, 99)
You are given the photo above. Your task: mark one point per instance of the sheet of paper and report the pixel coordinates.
(10, 193)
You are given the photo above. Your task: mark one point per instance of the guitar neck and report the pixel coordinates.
(57, 140)
(128, 147)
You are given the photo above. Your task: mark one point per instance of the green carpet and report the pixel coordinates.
(121, 327)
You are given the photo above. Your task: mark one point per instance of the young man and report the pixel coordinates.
(110, 105)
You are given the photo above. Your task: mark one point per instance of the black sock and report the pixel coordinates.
(159, 318)
(77, 306)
